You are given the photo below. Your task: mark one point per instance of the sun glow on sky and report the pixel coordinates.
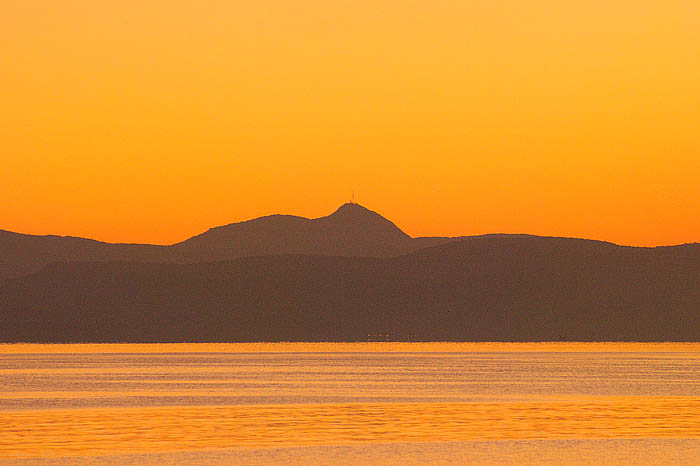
(153, 121)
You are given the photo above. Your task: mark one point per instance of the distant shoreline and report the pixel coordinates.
(350, 347)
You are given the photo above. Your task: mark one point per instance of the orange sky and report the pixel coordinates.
(153, 121)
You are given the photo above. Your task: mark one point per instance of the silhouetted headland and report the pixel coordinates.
(342, 278)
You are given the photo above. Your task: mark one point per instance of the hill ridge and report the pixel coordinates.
(505, 288)
(351, 230)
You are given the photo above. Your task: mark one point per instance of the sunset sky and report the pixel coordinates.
(151, 121)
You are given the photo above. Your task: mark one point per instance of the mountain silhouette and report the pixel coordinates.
(22, 254)
(490, 288)
(352, 230)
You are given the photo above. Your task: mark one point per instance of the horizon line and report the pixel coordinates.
(350, 203)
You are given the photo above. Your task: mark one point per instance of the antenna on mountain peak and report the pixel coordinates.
(352, 198)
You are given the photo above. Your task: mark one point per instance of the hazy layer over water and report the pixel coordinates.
(376, 402)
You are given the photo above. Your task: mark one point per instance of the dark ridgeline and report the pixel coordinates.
(496, 287)
(352, 230)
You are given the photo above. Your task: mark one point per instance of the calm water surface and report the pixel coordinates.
(379, 403)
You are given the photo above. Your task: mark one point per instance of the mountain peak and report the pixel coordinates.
(352, 208)
(356, 220)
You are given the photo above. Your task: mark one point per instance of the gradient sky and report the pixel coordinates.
(151, 121)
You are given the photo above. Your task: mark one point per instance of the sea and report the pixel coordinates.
(374, 403)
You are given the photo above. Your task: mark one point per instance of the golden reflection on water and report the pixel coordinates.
(85, 432)
(86, 400)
